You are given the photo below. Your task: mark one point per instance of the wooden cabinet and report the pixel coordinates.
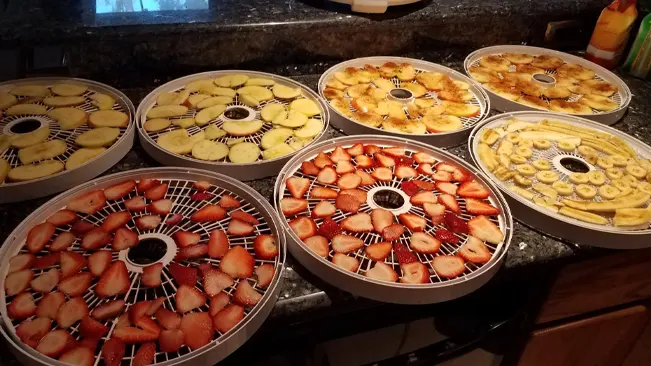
(601, 340)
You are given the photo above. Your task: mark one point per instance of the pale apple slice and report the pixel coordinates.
(258, 92)
(331, 93)
(173, 98)
(30, 91)
(69, 90)
(208, 114)
(259, 82)
(285, 92)
(108, 118)
(156, 124)
(34, 171)
(347, 77)
(242, 128)
(460, 109)
(211, 101)
(217, 90)
(384, 84)
(23, 109)
(248, 100)
(404, 126)
(68, 118)
(305, 106)
(82, 156)
(178, 141)
(312, 128)
(416, 90)
(294, 119)
(342, 106)
(196, 85)
(213, 132)
(194, 100)
(277, 151)
(102, 101)
(31, 138)
(231, 81)
(98, 137)
(396, 111)
(358, 90)
(166, 111)
(336, 84)
(184, 122)
(275, 137)
(270, 111)
(432, 80)
(377, 94)
(441, 123)
(64, 101)
(42, 151)
(406, 72)
(244, 152)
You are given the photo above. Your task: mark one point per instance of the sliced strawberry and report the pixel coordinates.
(239, 228)
(446, 167)
(133, 335)
(227, 201)
(395, 152)
(424, 158)
(78, 356)
(308, 168)
(156, 193)
(403, 254)
(450, 202)
(381, 218)
(88, 203)
(154, 305)
(20, 262)
(265, 246)
(90, 343)
(151, 275)
(148, 222)
(265, 274)
(393, 232)
(62, 218)
(149, 325)
(483, 229)
(144, 355)
(371, 149)
(358, 193)
(218, 302)
(414, 272)
(76, 285)
(171, 340)
(461, 175)
(54, 343)
(357, 149)
(339, 154)
(323, 209)
(188, 298)
(475, 251)
(81, 227)
(303, 226)
(425, 169)
(218, 244)
(410, 188)
(436, 211)
(39, 236)
(31, 331)
(114, 281)
(46, 282)
(205, 196)
(455, 223)
(442, 176)
(244, 217)
(323, 192)
(413, 222)
(168, 319)
(201, 185)
(358, 223)
(227, 318)
(367, 179)
(186, 238)
(345, 166)
(383, 272)
(318, 244)
(113, 351)
(448, 266)
(246, 295)
(329, 228)
(18, 282)
(173, 219)
(424, 243)
(71, 312)
(422, 198)
(346, 244)
(124, 239)
(322, 160)
(348, 203)
(349, 181)
(447, 188)
(91, 328)
(404, 161)
(119, 190)
(123, 321)
(477, 207)
(378, 251)
(327, 175)
(215, 281)
(135, 204)
(184, 275)
(364, 161)
(446, 236)
(161, 207)
(147, 183)
(384, 160)
(193, 251)
(297, 186)
(348, 263)
(108, 310)
(382, 174)
(95, 239)
(50, 304)
(47, 260)
(208, 213)
(238, 262)
(404, 172)
(473, 190)
(22, 306)
(62, 242)
(138, 310)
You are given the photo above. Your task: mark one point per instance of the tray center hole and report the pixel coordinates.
(237, 113)
(544, 79)
(574, 165)
(148, 251)
(388, 199)
(26, 126)
(400, 93)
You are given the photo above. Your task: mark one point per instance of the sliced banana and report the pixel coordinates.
(614, 173)
(31, 138)
(517, 159)
(586, 150)
(644, 187)
(63, 101)
(504, 161)
(68, 118)
(526, 170)
(623, 186)
(585, 191)
(291, 119)
(592, 159)
(178, 141)
(541, 164)
(22, 109)
(524, 151)
(619, 160)
(487, 156)
(312, 128)
(208, 101)
(245, 152)
(208, 114)
(527, 143)
(608, 192)
(636, 171)
(504, 174)
(522, 181)
(184, 122)
(545, 190)
(213, 132)
(277, 151)
(167, 111)
(42, 151)
(23, 173)
(30, 91)
(605, 162)
(582, 215)
(209, 150)
(285, 92)
(156, 124)
(596, 177)
(632, 217)
(305, 106)
(172, 98)
(542, 144)
(258, 92)
(547, 176)
(83, 155)
(505, 147)
(68, 90)
(631, 180)
(259, 82)
(98, 137)
(242, 128)
(513, 137)
(528, 194)
(231, 81)
(566, 146)
(540, 201)
(579, 178)
(563, 188)
(102, 101)
(489, 136)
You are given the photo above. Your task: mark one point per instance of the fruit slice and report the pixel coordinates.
(238, 262)
(413, 222)
(22, 306)
(20, 262)
(477, 207)
(228, 317)
(71, 263)
(448, 266)
(39, 236)
(188, 298)
(54, 343)
(424, 243)
(76, 285)
(114, 281)
(31, 331)
(46, 282)
(18, 282)
(265, 274)
(88, 203)
(383, 272)
(348, 263)
(208, 213)
(71, 312)
(475, 251)
(484, 229)
(98, 137)
(265, 246)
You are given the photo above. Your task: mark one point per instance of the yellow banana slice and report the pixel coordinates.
(586, 150)
(566, 146)
(23, 173)
(527, 143)
(632, 217)
(644, 187)
(622, 185)
(489, 136)
(619, 160)
(542, 164)
(524, 151)
(209, 150)
(517, 159)
(614, 173)
(504, 174)
(547, 176)
(542, 144)
(563, 188)
(82, 156)
(513, 137)
(636, 171)
(542, 202)
(504, 161)
(582, 215)
(526, 170)
(631, 180)
(608, 192)
(546, 190)
(522, 181)
(579, 178)
(487, 156)
(522, 192)
(156, 124)
(633, 200)
(596, 177)
(505, 147)
(585, 191)
(605, 162)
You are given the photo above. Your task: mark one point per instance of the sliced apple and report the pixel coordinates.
(184, 122)
(166, 111)
(102, 101)
(460, 109)
(30, 91)
(208, 114)
(7, 100)
(277, 151)
(217, 90)
(194, 100)
(21, 109)
(68, 118)
(259, 82)
(173, 98)
(285, 92)
(196, 85)
(384, 84)
(231, 81)
(213, 132)
(271, 110)
(69, 90)
(396, 111)
(305, 106)
(441, 123)
(275, 137)
(312, 128)
(242, 128)
(31, 138)
(342, 106)
(258, 92)
(108, 118)
(156, 124)
(249, 100)
(244, 152)
(406, 72)
(64, 101)
(416, 90)
(294, 119)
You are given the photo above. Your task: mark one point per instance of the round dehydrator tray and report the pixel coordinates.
(161, 247)
(344, 119)
(29, 189)
(243, 171)
(622, 97)
(390, 194)
(548, 220)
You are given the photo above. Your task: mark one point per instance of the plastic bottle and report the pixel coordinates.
(611, 33)
(638, 62)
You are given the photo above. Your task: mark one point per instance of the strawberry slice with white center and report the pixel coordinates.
(318, 244)
(239, 228)
(384, 160)
(148, 222)
(79, 356)
(171, 340)
(327, 175)
(364, 161)
(218, 244)
(348, 263)
(144, 355)
(425, 169)
(173, 219)
(383, 272)
(473, 190)
(188, 298)
(108, 310)
(215, 281)
(405, 172)
(119, 190)
(343, 243)
(446, 167)
(435, 211)
(322, 160)
(31, 331)
(114, 281)
(218, 302)
(39, 236)
(477, 207)
(393, 232)
(246, 295)
(357, 149)
(309, 168)
(349, 181)
(461, 175)
(191, 252)
(62, 242)
(46, 282)
(424, 243)
(113, 351)
(348, 203)
(156, 193)
(344, 166)
(304, 227)
(474, 250)
(138, 310)
(161, 207)
(396, 152)
(228, 317)
(367, 179)
(442, 176)
(201, 185)
(237, 263)
(358, 193)
(371, 149)
(483, 229)
(50, 304)
(186, 238)
(183, 275)
(76, 285)
(168, 319)
(124, 239)
(18, 282)
(151, 275)
(54, 343)
(358, 223)
(297, 186)
(63, 218)
(135, 204)
(378, 251)
(154, 305)
(413, 222)
(414, 272)
(424, 185)
(265, 274)
(339, 154)
(146, 183)
(46, 261)
(88, 203)
(424, 158)
(382, 174)
(421, 198)
(208, 213)
(448, 266)
(447, 188)
(22, 306)
(20, 262)
(91, 328)
(95, 239)
(450, 202)
(265, 246)
(323, 192)
(71, 312)
(323, 209)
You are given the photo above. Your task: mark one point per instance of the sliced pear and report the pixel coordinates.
(42, 151)
(312, 128)
(108, 118)
(208, 114)
(212, 101)
(277, 151)
(4, 169)
(31, 138)
(184, 122)
(248, 100)
(30, 91)
(231, 81)
(242, 128)
(82, 156)
(197, 85)
(22, 109)
(275, 137)
(156, 124)
(257, 92)
(98, 137)
(23, 173)
(166, 111)
(305, 106)
(102, 101)
(68, 118)
(294, 119)
(63, 101)
(194, 100)
(177, 98)
(259, 82)
(69, 90)
(243, 153)
(217, 90)
(270, 111)
(178, 141)
(285, 92)
(209, 150)
(7, 100)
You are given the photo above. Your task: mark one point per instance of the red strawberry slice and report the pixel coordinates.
(215, 281)
(364, 161)
(358, 223)
(367, 179)
(161, 207)
(323, 209)
(239, 228)
(384, 160)
(425, 169)
(435, 212)
(79, 356)
(410, 188)
(188, 298)
(147, 183)
(382, 174)
(446, 236)
(156, 193)
(171, 340)
(461, 175)
(455, 223)
(138, 310)
(54, 343)
(339, 154)
(133, 335)
(394, 151)
(91, 328)
(227, 318)
(95, 239)
(381, 218)
(205, 196)
(447, 188)
(113, 351)
(413, 222)
(378, 251)
(238, 262)
(62, 242)
(383, 272)
(357, 149)
(345, 166)
(371, 149)
(71, 312)
(473, 190)
(404, 172)
(442, 176)
(31, 331)
(265, 274)
(46, 282)
(450, 202)
(124, 238)
(135, 204)
(148, 222)
(50, 304)
(329, 228)
(246, 295)
(424, 185)
(168, 319)
(446, 167)
(303, 226)
(18, 282)
(424, 243)
(483, 229)
(422, 198)
(327, 175)
(90, 343)
(403, 254)
(448, 266)
(348, 203)
(201, 185)
(46, 261)
(346, 244)
(297, 186)
(393, 232)
(322, 160)
(349, 181)
(404, 161)
(88, 203)
(348, 263)
(183, 275)
(424, 158)
(218, 302)
(265, 246)
(144, 355)
(322, 192)
(193, 251)
(39, 236)
(477, 207)
(108, 310)
(119, 190)
(76, 285)
(151, 275)
(62, 218)
(218, 244)
(358, 193)
(208, 213)
(414, 272)
(22, 306)
(185, 238)
(154, 305)
(114, 281)
(244, 217)
(475, 251)
(173, 219)
(20, 262)
(227, 201)
(308, 168)
(318, 244)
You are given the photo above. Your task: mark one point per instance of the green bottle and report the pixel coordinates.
(638, 62)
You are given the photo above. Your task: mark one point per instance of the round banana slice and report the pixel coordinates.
(517, 159)
(522, 181)
(542, 164)
(605, 162)
(42, 151)
(586, 150)
(547, 62)
(560, 105)
(596, 177)
(566, 146)
(23, 173)
(513, 137)
(585, 191)
(518, 58)
(82, 156)
(619, 160)
(613, 173)
(527, 143)
(285, 92)
(636, 171)
(524, 151)
(98, 137)
(542, 144)
(243, 128)
(591, 158)
(495, 63)
(579, 178)
(631, 180)
(621, 184)
(608, 192)
(563, 188)
(557, 92)
(526, 170)
(209, 150)
(68, 90)
(31, 138)
(245, 152)
(644, 187)
(547, 176)
(156, 124)
(489, 136)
